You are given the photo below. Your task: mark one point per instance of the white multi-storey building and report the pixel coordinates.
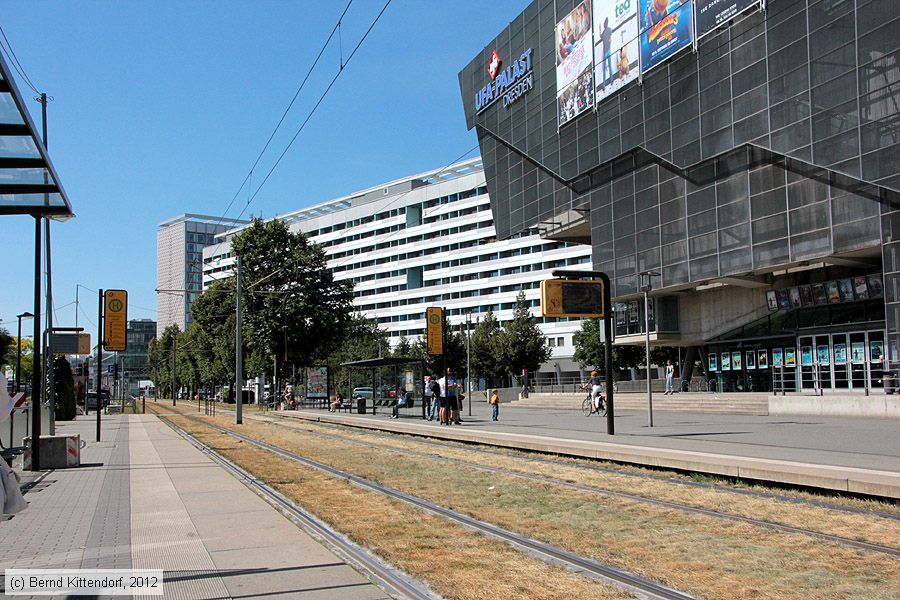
(429, 240)
(179, 245)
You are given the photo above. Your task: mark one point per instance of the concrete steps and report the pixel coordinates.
(734, 404)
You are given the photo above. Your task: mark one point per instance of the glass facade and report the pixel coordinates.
(775, 144)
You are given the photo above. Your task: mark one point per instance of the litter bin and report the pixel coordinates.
(889, 379)
(360, 406)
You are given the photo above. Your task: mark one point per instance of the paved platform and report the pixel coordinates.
(145, 498)
(848, 454)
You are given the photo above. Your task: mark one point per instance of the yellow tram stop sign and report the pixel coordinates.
(115, 319)
(572, 298)
(434, 330)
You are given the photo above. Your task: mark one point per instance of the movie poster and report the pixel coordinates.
(806, 295)
(822, 355)
(666, 27)
(858, 353)
(794, 293)
(834, 294)
(751, 359)
(860, 287)
(574, 64)
(713, 367)
(819, 295)
(846, 288)
(876, 351)
(762, 359)
(876, 287)
(840, 354)
(726, 361)
(806, 356)
(772, 300)
(616, 45)
(736, 360)
(777, 357)
(713, 13)
(790, 357)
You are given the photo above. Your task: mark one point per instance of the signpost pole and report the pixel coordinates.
(100, 341)
(36, 382)
(238, 354)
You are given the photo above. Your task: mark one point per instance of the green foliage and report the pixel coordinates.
(522, 344)
(64, 389)
(8, 358)
(486, 351)
(454, 351)
(7, 343)
(293, 307)
(589, 349)
(403, 348)
(159, 360)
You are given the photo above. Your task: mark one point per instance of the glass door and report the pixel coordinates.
(822, 359)
(840, 361)
(876, 358)
(807, 368)
(858, 369)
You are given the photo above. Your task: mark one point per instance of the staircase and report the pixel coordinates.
(706, 402)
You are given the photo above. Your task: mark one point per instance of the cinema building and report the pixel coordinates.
(741, 157)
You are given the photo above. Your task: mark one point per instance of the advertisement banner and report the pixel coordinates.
(667, 26)
(574, 64)
(317, 382)
(616, 45)
(713, 13)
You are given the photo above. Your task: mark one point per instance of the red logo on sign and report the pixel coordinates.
(494, 65)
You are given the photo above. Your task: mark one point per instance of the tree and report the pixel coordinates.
(522, 343)
(403, 349)
(9, 357)
(590, 350)
(6, 343)
(64, 389)
(159, 360)
(454, 353)
(293, 307)
(485, 343)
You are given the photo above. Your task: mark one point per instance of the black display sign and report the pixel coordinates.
(713, 13)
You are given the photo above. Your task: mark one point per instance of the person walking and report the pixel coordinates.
(495, 405)
(429, 397)
(670, 377)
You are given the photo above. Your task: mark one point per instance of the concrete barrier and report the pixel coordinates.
(833, 405)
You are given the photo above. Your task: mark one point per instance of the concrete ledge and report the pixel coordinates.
(833, 405)
(844, 479)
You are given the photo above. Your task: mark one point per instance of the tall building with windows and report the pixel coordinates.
(742, 158)
(429, 240)
(179, 246)
(134, 358)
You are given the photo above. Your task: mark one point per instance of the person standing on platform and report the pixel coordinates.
(495, 405)
(670, 377)
(454, 399)
(430, 399)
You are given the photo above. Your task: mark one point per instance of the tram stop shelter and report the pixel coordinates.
(373, 382)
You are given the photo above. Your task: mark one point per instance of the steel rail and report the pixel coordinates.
(390, 579)
(685, 508)
(547, 552)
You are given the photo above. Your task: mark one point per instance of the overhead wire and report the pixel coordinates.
(286, 110)
(315, 107)
(14, 61)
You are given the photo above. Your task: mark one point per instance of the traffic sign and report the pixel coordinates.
(572, 298)
(434, 321)
(115, 319)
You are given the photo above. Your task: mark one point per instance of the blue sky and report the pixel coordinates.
(161, 108)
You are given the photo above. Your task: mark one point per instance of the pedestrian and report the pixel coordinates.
(404, 401)
(429, 396)
(435, 399)
(449, 388)
(11, 500)
(337, 403)
(453, 398)
(670, 376)
(495, 405)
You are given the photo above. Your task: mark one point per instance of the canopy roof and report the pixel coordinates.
(28, 182)
(388, 361)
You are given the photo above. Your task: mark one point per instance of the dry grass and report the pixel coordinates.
(867, 528)
(457, 563)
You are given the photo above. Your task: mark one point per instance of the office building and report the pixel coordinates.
(743, 156)
(429, 240)
(179, 246)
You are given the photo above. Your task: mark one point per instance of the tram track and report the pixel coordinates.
(640, 586)
(684, 508)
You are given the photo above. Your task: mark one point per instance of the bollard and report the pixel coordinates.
(143, 406)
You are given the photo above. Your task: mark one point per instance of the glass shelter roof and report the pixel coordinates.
(28, 182)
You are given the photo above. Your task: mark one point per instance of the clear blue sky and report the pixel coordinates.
(160, 108)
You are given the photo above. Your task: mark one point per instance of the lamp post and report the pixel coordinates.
(468, 363)
(24, 315)
(646, 286)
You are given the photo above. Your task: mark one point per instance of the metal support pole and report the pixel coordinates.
(647, 348)
(36, 355)
(174, 372)
(468, 361)
(608, 355)
(99, 362)
(238, 350)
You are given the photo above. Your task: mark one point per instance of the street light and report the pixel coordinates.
(24, 315)
(646, 286)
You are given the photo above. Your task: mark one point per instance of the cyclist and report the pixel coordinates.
(596, 383)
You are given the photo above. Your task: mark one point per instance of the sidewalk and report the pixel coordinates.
(145, 498)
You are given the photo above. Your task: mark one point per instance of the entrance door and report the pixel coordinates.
(840, 360)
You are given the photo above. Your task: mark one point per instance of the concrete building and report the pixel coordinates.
(179, 245)
(750, 173)
(134, 359)
(429, 240)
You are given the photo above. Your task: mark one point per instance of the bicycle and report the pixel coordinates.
(587, 405)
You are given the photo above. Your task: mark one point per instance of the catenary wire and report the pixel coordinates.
(314, 108)
(14, 60)
(286, 110)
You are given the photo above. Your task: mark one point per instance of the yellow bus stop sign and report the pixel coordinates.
(115, 319)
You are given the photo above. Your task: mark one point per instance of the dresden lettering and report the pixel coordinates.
(510, 84)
